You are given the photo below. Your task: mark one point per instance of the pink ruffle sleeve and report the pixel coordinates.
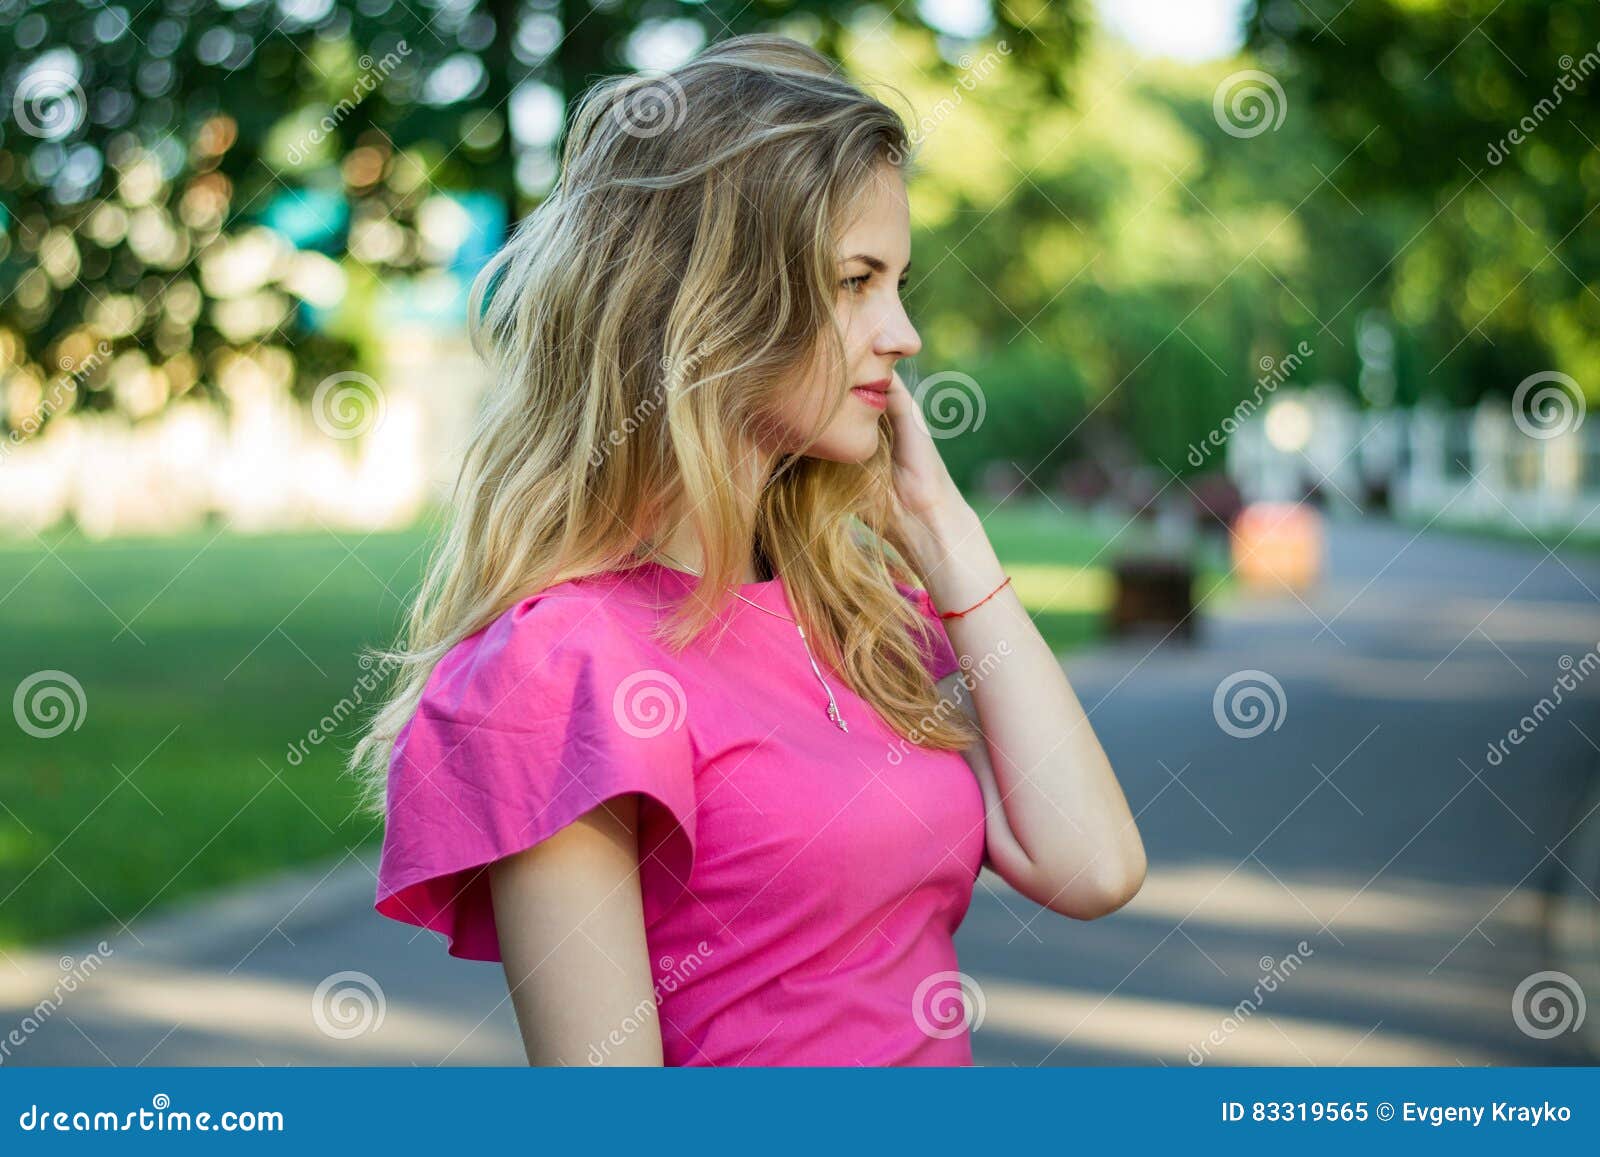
(546, 713)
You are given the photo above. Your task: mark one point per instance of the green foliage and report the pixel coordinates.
(148, 141)
(1031, 400)
(1473, 124)
(1125, 259)
(1089, 237)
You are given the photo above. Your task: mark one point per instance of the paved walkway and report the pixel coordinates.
(1368, 824)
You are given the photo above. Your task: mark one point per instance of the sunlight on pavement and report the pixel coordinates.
(238, 1014)
(1206, 893)
(1146, 1030)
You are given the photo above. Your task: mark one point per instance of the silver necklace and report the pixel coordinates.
(833, 704)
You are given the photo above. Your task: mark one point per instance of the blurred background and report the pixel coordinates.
(1262, 337)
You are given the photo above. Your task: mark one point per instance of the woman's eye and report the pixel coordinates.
(855, 283)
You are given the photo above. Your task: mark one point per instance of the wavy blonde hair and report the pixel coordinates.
(641, 326)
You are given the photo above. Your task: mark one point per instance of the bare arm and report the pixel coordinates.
(570, 920)
(1002, 852)
(1059, 829)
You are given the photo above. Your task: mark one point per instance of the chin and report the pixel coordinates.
(854, 446)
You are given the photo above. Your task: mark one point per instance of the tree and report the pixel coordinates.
(149, 141)
(1477, 121)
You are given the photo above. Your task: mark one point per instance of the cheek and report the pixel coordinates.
(807, 410)
(820, 404)
(856, 326)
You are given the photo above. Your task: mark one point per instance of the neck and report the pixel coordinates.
(682, 549)
(680, 543)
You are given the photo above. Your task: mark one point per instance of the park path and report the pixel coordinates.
(1368, 825)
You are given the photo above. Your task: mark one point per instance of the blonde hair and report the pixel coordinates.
(640, 326)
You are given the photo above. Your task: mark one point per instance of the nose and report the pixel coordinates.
(896, 336)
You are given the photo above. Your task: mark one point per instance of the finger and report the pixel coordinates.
(903, 406)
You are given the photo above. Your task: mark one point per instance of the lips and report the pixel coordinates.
(872, 396)
(879, 387)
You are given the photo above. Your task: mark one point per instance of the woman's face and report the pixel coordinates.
(874, 261)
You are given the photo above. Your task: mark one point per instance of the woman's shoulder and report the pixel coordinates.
(572, 630)
(523, 726)
(591, 611)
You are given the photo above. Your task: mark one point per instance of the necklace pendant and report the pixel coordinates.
(833, 707)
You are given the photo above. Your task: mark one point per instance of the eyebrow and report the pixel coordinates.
(873, 263)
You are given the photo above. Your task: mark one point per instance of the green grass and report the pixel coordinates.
(202, 660)
(1057, 567)
(200, 663)
(1060, 567)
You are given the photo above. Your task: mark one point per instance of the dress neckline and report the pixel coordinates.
(769, 594)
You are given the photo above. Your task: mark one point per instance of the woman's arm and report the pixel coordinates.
(570, 920)
(1001, 850)
(1058, 828)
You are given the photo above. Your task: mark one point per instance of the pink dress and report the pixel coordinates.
(801, 884)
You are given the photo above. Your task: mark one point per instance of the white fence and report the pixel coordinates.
(263, 463)
(1464, 466)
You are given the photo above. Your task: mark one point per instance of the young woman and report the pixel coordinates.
(678, 734)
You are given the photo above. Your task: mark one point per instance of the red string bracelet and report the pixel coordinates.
(976, 605)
